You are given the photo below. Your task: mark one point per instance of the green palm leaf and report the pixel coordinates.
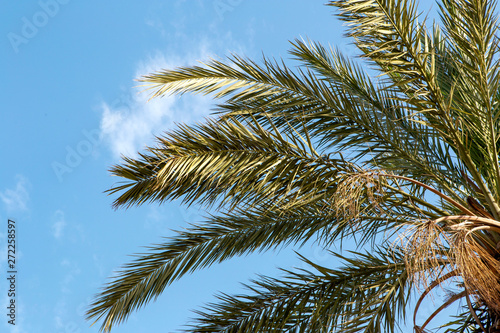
(417, 149)
(319, 300)
(238, 162)
(216, 240)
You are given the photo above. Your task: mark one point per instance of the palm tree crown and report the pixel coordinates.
(420, 192)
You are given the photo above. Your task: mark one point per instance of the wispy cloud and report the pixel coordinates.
(3, 249)
(63, 309)
(131, 121)
(58, 224)
(73, 269)
(131, 124)
(16, 199)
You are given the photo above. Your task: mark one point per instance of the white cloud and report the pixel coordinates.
(58, 320)
(18, 328)
(58, 224)
(16, 199)
(62, 318)
(3, 249)
(73, 271)
(131, 122)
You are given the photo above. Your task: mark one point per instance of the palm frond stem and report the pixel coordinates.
(473, 312)
(451, 300)
(427, 290)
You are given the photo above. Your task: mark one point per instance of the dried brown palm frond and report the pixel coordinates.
(426, 249)
(470, 254)
(478, 266)
(356, 192)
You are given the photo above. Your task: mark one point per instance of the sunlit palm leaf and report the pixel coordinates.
(216, 240)
(320, 300)
(392, 139)
(227, 160)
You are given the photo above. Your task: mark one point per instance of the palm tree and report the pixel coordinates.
(419, 193)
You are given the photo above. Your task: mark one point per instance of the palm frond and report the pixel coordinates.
(292, 99)
(366, 294)
(392, 139)
(218, 239)
(228, 161)
(241, 231)
(389, 34)
(348, 114)
(240, 79)
(473, 53)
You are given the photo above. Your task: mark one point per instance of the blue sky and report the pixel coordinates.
(71, 108)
